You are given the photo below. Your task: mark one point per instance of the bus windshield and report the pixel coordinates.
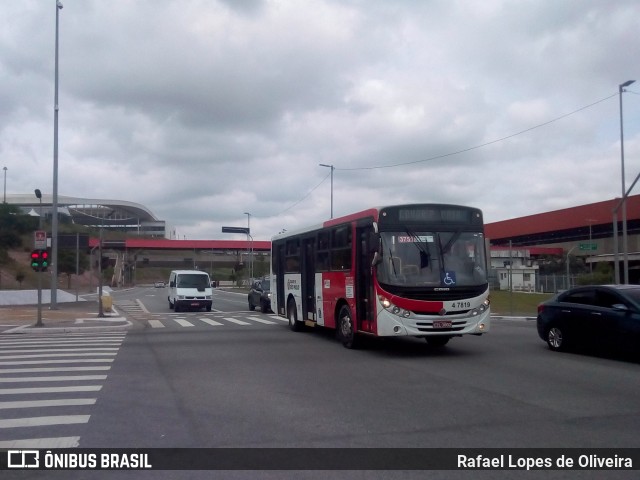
(423, 258)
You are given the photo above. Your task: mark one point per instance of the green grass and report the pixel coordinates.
(516, 303)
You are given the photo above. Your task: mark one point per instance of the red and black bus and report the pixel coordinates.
(407, 270)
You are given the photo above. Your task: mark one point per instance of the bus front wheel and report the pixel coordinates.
(292, 315)
(346, 328)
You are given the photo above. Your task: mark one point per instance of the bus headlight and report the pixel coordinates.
(482, 308)
(386, 303)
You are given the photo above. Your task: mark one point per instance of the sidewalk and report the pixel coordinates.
(21, 317)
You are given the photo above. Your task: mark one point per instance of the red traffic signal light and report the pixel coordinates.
(39, 260)
(35, 260)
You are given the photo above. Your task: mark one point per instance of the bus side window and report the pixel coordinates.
(341, 248)
(322, 254)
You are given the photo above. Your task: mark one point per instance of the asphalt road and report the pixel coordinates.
(258, 384)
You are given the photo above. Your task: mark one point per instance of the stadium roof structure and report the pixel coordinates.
(593, 220)
(92, 211)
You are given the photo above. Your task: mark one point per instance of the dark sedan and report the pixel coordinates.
(260, 295)
(600, 316)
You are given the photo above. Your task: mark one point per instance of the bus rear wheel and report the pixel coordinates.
(346, 328)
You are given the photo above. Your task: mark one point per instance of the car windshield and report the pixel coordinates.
(193, 280)
(432, 258)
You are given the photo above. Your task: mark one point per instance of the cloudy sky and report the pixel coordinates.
(202, 110)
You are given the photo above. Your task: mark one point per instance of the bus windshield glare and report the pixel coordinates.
(435, 259)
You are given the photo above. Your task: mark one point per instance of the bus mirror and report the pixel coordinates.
(374, 242)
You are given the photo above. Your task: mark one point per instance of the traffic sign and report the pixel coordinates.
(40, 240)
(244, 230)
(588, 246)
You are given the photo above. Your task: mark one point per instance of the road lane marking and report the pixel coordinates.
(261, 320)
(42, 421)
(48, 361)
(236, 321)
(182, 322)
(61, 378)
(53, 369)
(29, 390)
(210, 322)
(60, 402)
(41, 443)
(156, 324)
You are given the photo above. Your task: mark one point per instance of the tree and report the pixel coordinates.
(67, 263)
(13, 224)
(20, 277)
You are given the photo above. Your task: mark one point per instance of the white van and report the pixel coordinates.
(189, 289)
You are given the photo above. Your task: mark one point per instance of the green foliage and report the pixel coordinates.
(13, 224)
(602, 275)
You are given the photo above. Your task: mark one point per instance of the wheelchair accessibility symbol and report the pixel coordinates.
(449, 278)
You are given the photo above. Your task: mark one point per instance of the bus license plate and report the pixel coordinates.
(442, 324)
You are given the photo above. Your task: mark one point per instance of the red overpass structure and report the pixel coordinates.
(165, 244)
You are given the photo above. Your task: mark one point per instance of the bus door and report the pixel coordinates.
(364, 282)
(279, 264)
(308, 278)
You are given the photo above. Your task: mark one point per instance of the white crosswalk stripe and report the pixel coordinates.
(196, 320)
(49, 384)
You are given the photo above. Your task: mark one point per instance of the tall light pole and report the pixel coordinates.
(39, 274)
(250, 245)
(54, 201)
(624, 194)
(332, 169)
(4, 198)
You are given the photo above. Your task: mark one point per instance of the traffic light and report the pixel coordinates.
(40, 260)
(44, 260)
(35, 260)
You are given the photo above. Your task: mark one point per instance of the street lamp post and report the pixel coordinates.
(4, 197)
(250, 240)
(332, 169)
(54, 200)
(621, 88)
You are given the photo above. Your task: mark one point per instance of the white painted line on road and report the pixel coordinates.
(53, 369)
(156, 324)
(47, 361)
(144, 309)
(183, 323)
(7, 357)
(61, 342)
(282, 319)
(61, 402)
(56, 350)
(42, 421)
(19, 391)
(261, 320)
(61, 378)
(54, 442)
(235, 320)
(210, 322)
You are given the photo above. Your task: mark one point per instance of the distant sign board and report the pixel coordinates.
(40, 240)
(588, 246)
(244, 230)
